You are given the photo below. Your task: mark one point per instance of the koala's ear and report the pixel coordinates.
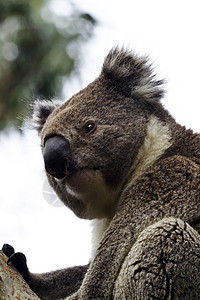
(132, 76)
(41, 111)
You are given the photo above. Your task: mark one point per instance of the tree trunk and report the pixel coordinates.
(12, 285)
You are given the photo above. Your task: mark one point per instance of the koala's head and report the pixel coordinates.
(91, 142)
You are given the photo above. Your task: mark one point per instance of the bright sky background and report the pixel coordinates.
(168, 31)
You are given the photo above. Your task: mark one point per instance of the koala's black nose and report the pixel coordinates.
(57, 157)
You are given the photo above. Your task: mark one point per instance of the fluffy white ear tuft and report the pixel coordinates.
(41, 111)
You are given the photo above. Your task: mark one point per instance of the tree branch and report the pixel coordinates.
(12, 285)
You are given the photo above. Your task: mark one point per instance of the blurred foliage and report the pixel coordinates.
(39, 47)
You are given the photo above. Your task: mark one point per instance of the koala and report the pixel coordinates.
(115, 155)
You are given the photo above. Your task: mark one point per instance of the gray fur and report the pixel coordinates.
(137, 176)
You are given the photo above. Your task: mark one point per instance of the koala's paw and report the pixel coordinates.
(18, 260)
(8, 250)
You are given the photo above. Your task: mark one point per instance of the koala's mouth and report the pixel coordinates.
(80, 181)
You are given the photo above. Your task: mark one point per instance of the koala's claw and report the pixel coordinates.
(17, 259)
(8, 250)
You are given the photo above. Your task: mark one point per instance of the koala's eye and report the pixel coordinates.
(89, 128)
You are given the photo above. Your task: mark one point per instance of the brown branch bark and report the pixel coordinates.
(12, 285)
